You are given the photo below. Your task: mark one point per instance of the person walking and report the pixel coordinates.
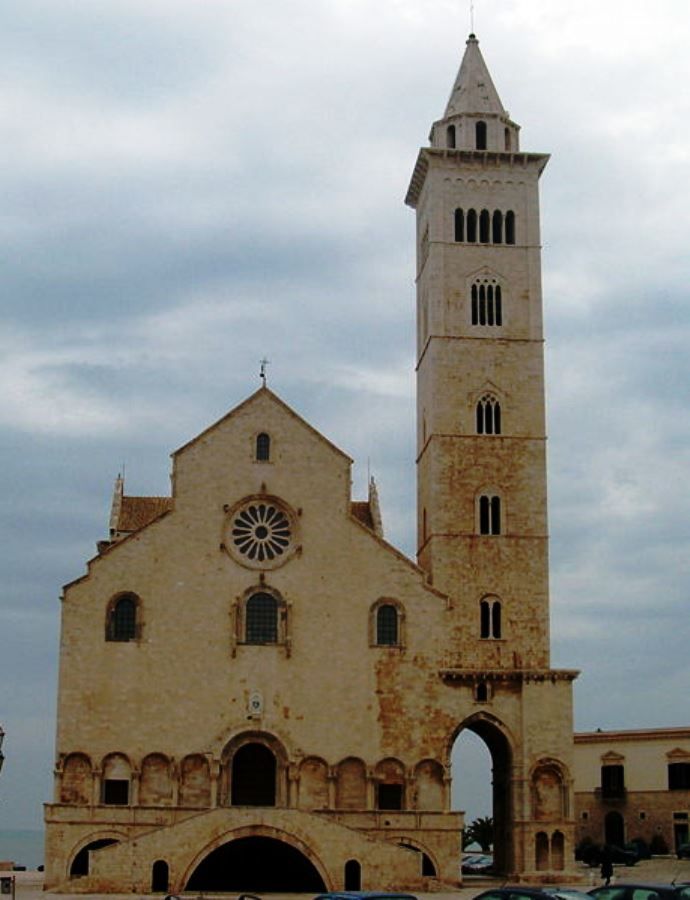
(606, 865)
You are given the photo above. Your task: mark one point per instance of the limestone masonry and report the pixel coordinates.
(256, 691)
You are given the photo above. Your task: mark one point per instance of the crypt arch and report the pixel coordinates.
(248, 859)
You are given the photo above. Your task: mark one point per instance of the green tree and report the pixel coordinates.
(480, 831)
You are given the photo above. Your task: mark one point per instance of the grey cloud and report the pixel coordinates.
(187, 187)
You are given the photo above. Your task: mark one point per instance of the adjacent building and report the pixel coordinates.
(633, 784)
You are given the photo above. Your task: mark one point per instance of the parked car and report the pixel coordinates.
(641, 891)
(624, 856)
(477, 864)
(524, 893)
(364, 895)
(683, 851)
(567, 893)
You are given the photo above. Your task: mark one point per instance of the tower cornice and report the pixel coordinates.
(482, 159)
(470, 676)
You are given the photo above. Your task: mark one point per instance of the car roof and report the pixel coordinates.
(365, 895)
(645, 885)
(515, 889)
(641, 884)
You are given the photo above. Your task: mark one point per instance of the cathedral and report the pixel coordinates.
(256, 690)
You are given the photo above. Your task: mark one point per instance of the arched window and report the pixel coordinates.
(541, 850)
(121, 624)
(390, 784)
(76, 784)
(481, 693)
(510, 227)
(486, 302)
(496, 306)
(497, 227)
(488, 415)
(506, 140)
(472, 226)
(117, 774)
(195, 781)
(387, 625)
(484, 226)
(489, 514)
(261, 619)
(480, 135)
(160, 876)
(558, 851)
(490, 618)
(450, 137)
(351, 784)
(155, 782)
(263, 447)
(459, 225)
(353, 875)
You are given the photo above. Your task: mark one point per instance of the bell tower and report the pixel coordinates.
(482, 530)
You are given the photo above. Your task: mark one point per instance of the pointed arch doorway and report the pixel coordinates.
(486, 763)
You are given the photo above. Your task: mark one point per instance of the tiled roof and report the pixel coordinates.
(361, 510)
(135, 512)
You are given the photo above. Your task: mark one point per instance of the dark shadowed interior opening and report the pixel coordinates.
(257, 864)
(254, 776)
(80, 864)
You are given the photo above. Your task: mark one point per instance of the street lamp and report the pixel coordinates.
(2, 738)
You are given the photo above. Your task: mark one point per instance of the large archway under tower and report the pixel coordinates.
(496, 770)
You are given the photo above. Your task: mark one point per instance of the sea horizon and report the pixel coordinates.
(22, 846)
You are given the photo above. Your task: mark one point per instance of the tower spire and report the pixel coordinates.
(473, 90)
(475, 118)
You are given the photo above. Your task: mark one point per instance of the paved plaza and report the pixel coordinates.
(29, 885)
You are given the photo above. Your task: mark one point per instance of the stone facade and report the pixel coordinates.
(633, 784)
(252, 681)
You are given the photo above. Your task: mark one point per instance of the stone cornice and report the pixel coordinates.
(471, 676)
(481, 159)
(643, 734)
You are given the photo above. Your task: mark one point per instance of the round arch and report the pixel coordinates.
(429, 862)
(499, 742)
(266, 743)
(78, 859)
(549, 781)
(256, 858)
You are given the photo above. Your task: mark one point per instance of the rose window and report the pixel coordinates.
(261, 532)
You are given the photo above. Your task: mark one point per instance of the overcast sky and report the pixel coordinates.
(189, 185)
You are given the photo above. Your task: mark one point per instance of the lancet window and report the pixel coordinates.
(485, 226)
(489, 514)
(488, 415)
(486, 302)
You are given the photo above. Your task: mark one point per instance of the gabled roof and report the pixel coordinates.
(263, 393)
